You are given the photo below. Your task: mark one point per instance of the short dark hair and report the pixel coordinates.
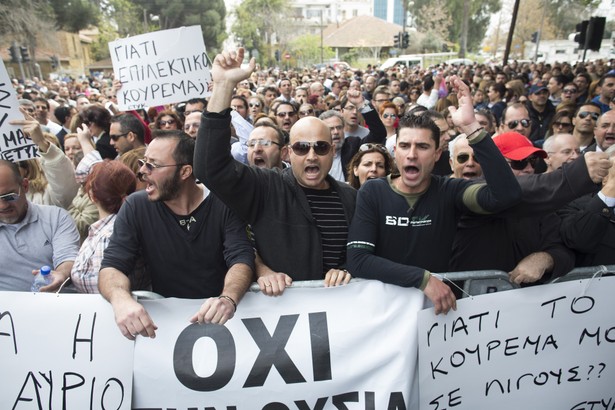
(516, 105)
(97, 115)
(422, 121)
(278, 131)
(198, 101)
(14, 170)
(43, 100)
(281, 103)
(499, 88)
(62, 113)
(589, 103)
(600, 83)
(428, 83)
(129, 122)
(184, 151)
(242, 98)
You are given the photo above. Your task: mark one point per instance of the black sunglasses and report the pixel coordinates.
(252, 105)
(463, 158)
(302, 148)
(521, 164)
(117, 137)
(524, 123)
(594, 115)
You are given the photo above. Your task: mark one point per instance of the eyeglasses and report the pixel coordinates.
(367, 147)
(117, 137)
(584, 114)
(385, 116)
(308, 112)
(521, 164)
(289, 114)
(151, 166)
(256, 104)
(560, 124)
(11, 197)
(262, 143)
(569, 90)
(381, 101)
(162, 123)
(302, 148)
(464, 157)
(513, 124)
(350, 108)
(187, 113)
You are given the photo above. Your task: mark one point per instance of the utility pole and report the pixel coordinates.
(511, 32)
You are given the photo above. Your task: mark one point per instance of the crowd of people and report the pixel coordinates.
(312, 174)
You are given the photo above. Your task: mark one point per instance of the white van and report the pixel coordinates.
(408, 61)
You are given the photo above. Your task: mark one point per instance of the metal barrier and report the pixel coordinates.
(479, 282)
(586, 273)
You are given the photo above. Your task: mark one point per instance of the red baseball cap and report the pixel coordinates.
(516, 147)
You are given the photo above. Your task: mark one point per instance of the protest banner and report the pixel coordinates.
(348, 347)
(162, 67)
(14, 145)
(62, 352)
(547, 347)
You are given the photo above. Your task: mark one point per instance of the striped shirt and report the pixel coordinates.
(330, 218)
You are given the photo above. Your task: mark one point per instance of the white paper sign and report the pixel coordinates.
(162, 67)
(547, 347)
(348, 347)
(14, 145)
(62, 352)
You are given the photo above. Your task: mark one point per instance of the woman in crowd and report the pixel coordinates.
(72, 148)
(107, 185)
(168, 120)
(389, 116)
(371, 161)
(306, 110)
(560, 124)
(256, 105)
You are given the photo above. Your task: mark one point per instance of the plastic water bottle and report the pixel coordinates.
(43, 278)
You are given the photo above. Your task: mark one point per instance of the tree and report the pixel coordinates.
(260, 24)
(479, 12)
(209, 14)
(566, 14)
(306, 50)
(75, 15)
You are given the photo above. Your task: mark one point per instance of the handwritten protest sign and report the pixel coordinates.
(162, 67)
(329, 348)
(62, 352)
(548, 347)
(14, 146)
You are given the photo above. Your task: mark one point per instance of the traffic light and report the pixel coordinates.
(405, 40)
(14, 54)
(582, 31)
(277, 55)
(398, 40)
(535, 37)
(595, 31)
(25, 56)
(55, 62)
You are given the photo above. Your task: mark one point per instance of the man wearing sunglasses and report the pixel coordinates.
(126, 132)
(584, 122)
(32, 235)
(297, 214)
(516, 118)
(523, 240)
(604, 132)
(540, 109)
(192, 245)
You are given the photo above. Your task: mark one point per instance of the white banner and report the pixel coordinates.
(14, 145)
(62, 352)
(162, 67)
(350, 347)
(548, 347)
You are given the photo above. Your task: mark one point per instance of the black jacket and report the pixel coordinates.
(287, 238)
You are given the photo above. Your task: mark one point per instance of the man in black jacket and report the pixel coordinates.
(299, 215)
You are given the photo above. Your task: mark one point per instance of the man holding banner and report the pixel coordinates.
(192, 245)
(404, 225)
(279, 204)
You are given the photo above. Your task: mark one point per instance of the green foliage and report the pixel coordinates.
(566, 14)
(306, 50)
(480, 14)
(75, 15)
(209, 14)
(351, 56)
(24, 19)
(258, 22)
